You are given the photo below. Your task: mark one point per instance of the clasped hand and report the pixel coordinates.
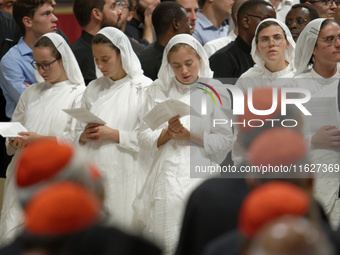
(96, 133)
(176, 130)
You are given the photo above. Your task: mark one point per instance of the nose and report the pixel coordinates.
(119, 11)
(184, 69)
(271, 41)
(333, 5)
(192, 15)
(54, 18)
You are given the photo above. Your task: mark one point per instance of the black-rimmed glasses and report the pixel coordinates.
(43, 66)
(299, 21)
(326, 2)
(330, 40)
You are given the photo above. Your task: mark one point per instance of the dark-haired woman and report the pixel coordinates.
(116, 98)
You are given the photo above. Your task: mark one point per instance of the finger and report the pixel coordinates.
(174, 118)
(327, 127)
(23, 133)
(90, 125)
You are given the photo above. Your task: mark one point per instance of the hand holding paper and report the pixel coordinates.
(164, 111)
(11, 129)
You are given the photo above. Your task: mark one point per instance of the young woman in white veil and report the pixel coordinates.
(317, 60)
(40, 110)
(178, 143)
(116, 98)
(272, 50)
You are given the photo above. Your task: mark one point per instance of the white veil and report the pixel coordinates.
(70, 63)
(306, 44)
(130, 61)
(166, 74)
(289, 54)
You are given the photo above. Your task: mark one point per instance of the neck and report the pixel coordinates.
(276, 67)
(164, 39)
(246, 36)
(275, 3)
(92, 28)
(324, 70)
(118, 76)
(30, 39)
(209, 13)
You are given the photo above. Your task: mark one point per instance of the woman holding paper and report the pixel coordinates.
(116, 98)
(317, 60)
(40, 110)
(182, 142)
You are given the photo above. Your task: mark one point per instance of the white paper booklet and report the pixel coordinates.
(164, 111)
(11, 129)
(84, 115)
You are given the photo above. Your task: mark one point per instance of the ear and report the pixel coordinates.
(315, 52)
(308, 3)
(27, 21)
(288, 44)
(245, 22)
(96, 14)
(175, 25)
(130, 16)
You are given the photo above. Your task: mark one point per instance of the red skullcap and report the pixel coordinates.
(262, 100)
(277, 146)
(268, 202)
(60, 209)
(35, 163)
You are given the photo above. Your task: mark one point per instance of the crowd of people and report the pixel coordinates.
(163, 83)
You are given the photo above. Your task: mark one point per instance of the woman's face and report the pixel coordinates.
(272, 44)
(108, 61)
(49, 68)
(185, 64)
(327, 49)
(296, 20)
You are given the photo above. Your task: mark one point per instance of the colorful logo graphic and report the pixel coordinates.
(209, 93)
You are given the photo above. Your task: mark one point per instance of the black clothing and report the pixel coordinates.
(151, 60)
(82, 50)
(232, 60)
(135, 29)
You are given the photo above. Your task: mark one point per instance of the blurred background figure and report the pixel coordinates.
(169, 19)
(325, 8)
(214, 45)
(298, 17)
(7, 5)
(211, 21)
(140, 27)
(290, 235)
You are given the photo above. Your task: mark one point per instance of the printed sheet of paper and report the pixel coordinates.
(324, 112)
(11, 129)
(83, 115)
(164, 111)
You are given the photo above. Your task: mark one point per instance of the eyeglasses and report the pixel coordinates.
(266, 39)
(330, 40)
(299, 21)
(119, 5)
(328, 3)
(255, 16)
(43, 66)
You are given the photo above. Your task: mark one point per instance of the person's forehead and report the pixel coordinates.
(188, 3)
(298, 12)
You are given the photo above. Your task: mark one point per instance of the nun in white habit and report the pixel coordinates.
(176, 147)
(317, 58)
(116, 98)
(40, 110)
(272, 50)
